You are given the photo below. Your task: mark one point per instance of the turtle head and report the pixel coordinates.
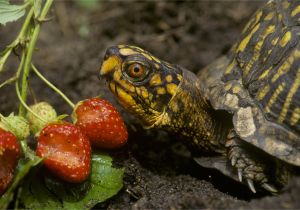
(142, 83)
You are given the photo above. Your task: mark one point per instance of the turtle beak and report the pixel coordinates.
(110, 63)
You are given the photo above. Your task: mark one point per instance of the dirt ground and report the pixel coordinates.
(160, 173)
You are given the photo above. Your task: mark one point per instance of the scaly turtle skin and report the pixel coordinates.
(241, 114)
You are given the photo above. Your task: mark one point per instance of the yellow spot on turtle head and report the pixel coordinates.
(156, 59)
(147, 56)
(110, 65)
(169, 78)
(127, 51)
(161, 91)
(124, 97)
(155, 80)
(112, 86)
(171, 88)
(296, 11)
(117, 75)
(144, 92)
(285, 39)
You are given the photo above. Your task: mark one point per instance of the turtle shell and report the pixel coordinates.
(261, 84)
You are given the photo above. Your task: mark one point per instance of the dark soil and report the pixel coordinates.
(159, 170)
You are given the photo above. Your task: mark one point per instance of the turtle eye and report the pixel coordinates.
(136, 70)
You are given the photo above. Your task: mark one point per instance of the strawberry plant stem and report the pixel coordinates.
(36, 71)
(8, 81)
(29, 52)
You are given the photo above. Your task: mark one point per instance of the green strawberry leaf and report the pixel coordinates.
(41, 191)
(9, 13)
(22, 170)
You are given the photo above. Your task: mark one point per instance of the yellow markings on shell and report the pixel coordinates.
(253, 21)
(257, 48)
(236, 89)
(228, 86)
(265, 73)
(275, 95)
(274, 41)
(269, 16)
(283, 69)
(295, 116)
(285, 39)
(109, 65)
(243, 44)
(295, 11)
(263, 92)
(161, 91)
(155, 80)
(156, 66)
(230, 67)
(285, 4)
(169, 78)
(289, 97)
(171, 88)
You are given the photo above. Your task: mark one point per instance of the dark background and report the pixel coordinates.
(159, 170)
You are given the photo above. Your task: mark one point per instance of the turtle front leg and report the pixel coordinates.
(251, 167)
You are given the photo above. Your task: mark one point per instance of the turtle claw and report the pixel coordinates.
(240, 175)
(269, 188)
(251, 185)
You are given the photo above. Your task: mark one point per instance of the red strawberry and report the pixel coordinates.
(101, 122)
(66, 150)
(9, 156)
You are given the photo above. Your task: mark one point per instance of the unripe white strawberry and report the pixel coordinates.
(45, 111)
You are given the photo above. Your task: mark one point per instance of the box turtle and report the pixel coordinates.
(241, 114)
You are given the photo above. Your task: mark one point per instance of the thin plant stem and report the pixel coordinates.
(36, 71)
(8, 81)
(30, 49)
(25, 105)
(19, 38)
